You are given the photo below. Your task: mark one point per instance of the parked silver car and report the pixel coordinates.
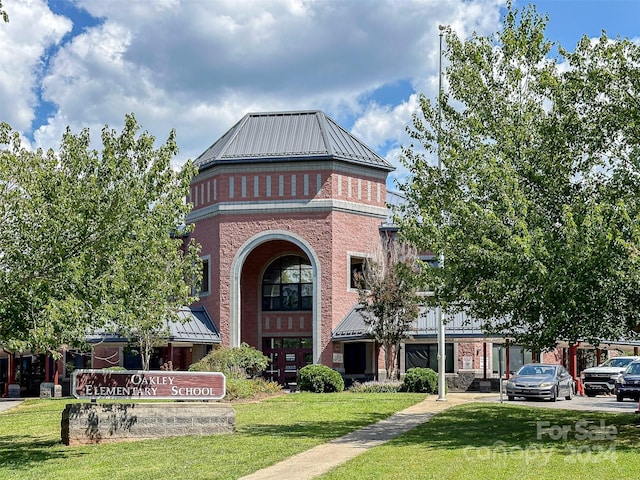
(541, 380)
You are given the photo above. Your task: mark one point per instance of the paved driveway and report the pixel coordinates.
(595, 404)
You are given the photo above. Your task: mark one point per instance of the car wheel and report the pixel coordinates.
(620, 398)
(511, 398)
(570, 395)
(554, 394)
(589, 394)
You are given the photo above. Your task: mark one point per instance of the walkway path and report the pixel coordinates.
(6, 404)
(320, 459)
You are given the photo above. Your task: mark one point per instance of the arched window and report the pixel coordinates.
(287, 284)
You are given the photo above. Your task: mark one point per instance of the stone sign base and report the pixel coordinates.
(85, 423)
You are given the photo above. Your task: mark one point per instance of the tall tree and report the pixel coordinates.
(536, 208)
(387, 292)
(92, 239)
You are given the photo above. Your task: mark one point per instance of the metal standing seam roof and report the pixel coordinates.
(195, 326)
(289, 136)
(460, 325)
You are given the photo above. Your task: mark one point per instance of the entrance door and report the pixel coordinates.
(287, 355)
(355, 358)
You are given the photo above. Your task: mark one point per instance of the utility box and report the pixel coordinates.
(14, 390)
(485, 386)
(46, 390)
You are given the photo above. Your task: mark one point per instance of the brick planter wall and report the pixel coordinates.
(85, 423)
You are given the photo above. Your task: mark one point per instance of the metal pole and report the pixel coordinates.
(440, 314)
(500, 370)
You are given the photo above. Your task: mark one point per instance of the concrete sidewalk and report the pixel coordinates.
(6, 403)
(320, 459)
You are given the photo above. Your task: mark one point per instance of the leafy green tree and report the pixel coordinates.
(387, 293)
(536, 207)
(92, 240)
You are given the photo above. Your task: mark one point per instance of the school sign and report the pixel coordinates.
(148, 385)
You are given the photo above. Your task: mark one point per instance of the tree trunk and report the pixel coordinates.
(145, 352)
(389, 363)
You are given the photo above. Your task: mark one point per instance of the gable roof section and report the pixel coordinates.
(288, 136)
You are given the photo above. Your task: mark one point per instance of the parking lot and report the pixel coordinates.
(596, 404)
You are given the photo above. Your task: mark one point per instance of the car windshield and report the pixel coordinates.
(617, 362)
(634, 368)
(529, 370)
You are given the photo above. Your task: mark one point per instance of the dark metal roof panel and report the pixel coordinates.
(351, 326)
(426, 325)
(286, 136)
(460, 325)
(195, 326)
(345, 145)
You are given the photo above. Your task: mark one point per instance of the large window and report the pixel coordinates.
(287, 284)
(425, 355)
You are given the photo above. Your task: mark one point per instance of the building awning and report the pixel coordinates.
(198, 327)
(195, 326)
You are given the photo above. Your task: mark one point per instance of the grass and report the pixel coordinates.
(267, 432)
(493, 441)
(473, 441)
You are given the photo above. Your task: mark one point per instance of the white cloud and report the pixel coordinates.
(32, 29)
(198, 66)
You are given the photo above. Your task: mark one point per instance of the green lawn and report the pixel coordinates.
(499, 441)
(267, 432)
(475, 441)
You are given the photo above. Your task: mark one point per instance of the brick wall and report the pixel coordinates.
(237, 206)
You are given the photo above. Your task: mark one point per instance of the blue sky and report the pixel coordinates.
(198, 66)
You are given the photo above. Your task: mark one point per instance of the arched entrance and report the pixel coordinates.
(285, 316)
(275, 301)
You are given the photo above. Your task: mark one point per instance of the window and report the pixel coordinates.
(430, 259)
(287, 284)
(518, 356)
(356, 267)
(206, 274)
(425, 355)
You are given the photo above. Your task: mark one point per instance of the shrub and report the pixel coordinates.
(420, 380)
(244, 388)
(376, 387)
(238, 362)
(319, 379)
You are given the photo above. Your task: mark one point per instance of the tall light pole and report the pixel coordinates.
(440, 314)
